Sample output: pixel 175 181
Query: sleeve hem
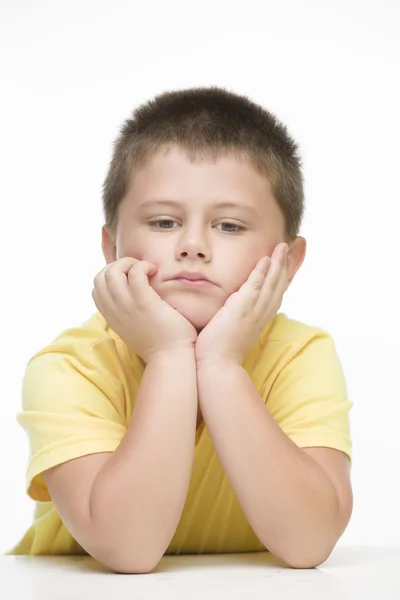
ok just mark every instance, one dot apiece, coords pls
pixel 313 441
pixel 56 456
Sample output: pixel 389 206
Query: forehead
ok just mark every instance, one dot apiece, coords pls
pixel 172 174
pixel 175 167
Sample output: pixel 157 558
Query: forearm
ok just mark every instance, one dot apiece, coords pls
pixel 288 499
pixel 138 496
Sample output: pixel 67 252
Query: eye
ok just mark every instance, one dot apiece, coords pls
pixel 237 227
pixel 161 221
pixel 163 224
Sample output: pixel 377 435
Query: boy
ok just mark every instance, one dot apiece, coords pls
pixel 187 415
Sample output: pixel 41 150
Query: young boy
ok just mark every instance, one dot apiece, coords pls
pixel 188 415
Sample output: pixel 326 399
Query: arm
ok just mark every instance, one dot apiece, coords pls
pixel 295 508
pixel 126 513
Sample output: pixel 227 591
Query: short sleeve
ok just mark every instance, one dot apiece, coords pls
pixel 308 398
pixel 71 407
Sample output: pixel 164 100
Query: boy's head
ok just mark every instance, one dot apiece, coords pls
pixel 175 162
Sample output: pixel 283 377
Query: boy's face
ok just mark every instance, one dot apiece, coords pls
pixel 195 234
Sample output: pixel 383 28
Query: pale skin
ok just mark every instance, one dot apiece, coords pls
pixel 219 325
pixel 195 238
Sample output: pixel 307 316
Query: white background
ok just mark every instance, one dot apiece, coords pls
pixel 71 72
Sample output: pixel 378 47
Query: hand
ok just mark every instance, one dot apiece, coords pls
pixel 236 327
pixel 146 323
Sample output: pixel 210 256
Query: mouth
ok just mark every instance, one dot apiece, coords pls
pixel 197 283
pixel 192 279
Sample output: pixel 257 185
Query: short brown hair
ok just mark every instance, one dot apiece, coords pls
pixel 208 122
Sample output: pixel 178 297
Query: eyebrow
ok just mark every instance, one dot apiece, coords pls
pixel 222 204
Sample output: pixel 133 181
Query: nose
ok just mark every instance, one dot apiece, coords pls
pixel 193 244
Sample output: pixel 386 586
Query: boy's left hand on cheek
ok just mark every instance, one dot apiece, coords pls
pixel 236 327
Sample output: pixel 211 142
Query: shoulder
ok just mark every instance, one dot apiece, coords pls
pixel 79 338
pixel 287 341
pixel 292 350
pixel 93 340
pixel 80 358
pixel 284 330
pixel 301 345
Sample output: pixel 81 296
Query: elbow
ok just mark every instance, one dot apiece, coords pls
pixel 124 559
pixel 303 559
pixel 316 550
pixel 120 555
pixel 136 569
pixel 127 567
pixel 302 554
pixel 304 562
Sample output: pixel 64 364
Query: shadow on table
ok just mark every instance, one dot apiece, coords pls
pixel 200 561
pixel 341 558
pixel 167 564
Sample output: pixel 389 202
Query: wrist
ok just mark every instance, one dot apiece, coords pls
pixel 220 365
pixel 178 354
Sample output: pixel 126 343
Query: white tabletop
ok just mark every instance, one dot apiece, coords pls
pixel 364 573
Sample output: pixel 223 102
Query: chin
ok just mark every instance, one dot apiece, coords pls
pixel 198 320
pixel 198 316
pixel 197 308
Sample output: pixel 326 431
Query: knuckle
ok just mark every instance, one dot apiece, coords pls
pixel 133 273
pixel 135 267
pixel 129 260
pixel 108 272
pixel 99 276
pixel 274 280
pixel 257 282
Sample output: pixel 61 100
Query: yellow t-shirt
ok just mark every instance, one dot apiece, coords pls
pixel 79 393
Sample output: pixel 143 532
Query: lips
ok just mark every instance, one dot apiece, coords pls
pixel 192 279
pixel 192 276
pixel 194 283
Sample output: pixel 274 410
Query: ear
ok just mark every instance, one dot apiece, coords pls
pixel 296 255
pixel 108 245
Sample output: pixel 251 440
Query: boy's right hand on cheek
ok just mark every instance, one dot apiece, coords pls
pixel 145 322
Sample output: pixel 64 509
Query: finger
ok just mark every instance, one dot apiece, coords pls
pixel 276 279
pixel 111 296
pixel 278 261
pixel 256 279
pixel 247 295
pixel 97 300
pixel 249 292
pixel 112 286
pixel 122 265
pixel 144 267
pixel 138 275
pixel 263 265
pixel 115 280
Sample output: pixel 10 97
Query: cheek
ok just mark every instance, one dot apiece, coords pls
pixel 243 259
pixel 241 272
pixel 138 249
